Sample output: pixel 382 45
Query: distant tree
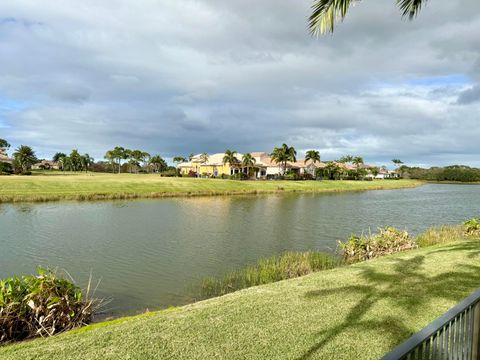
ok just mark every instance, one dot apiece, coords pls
pixel 357 161
pixel 24 157
pixel 58 156
pixel 347 159
pixel 158 164
pixel 332 171
pixel 4 145
pixel 117 155
pixel 374 170
pixel 314 157
pixel 248 161
pixel 230 158
pixel 110 157
pixel 179 159
pixel 282 155
pixel 397 162
pixel 87 161
pixel 190 157
pixel 204 158
pixel 75 162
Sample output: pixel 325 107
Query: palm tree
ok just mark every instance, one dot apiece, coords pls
pixel 158 163
pixel 179 159
pixel 110 156
pixel 87 161
pixel 357 161
pixel 397 162
pixel 282 155
pixel 326 12
pixel 248 161
pixel 314 157
pixel 230 158
pixel 204 158
pixel 374 170
pixel 24 157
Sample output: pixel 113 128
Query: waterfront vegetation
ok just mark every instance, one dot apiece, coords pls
pixel 286 266
pixel 44 304
pixel 313 316
pixel 56 185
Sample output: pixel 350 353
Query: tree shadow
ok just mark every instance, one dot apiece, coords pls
pixel 405 286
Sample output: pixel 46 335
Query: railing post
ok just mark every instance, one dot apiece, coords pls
pixel 476 333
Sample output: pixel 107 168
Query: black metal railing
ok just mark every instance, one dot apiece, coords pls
pixel 455 335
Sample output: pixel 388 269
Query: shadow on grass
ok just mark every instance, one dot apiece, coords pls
pixel 406 287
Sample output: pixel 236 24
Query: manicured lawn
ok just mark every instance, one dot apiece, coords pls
pixel 58 186
pixel 355 312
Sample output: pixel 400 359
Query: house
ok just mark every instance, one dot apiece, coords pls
pixel 264 166
pixel 4 157
pixel 45 165
pixel 387 174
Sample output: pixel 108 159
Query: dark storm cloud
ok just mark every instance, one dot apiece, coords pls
pixel 180 77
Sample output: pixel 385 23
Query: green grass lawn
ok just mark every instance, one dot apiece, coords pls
pixel 94 186
pixel 355 312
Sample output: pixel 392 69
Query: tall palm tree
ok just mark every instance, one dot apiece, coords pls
pixel 230 158
pixel 314 157
pixel 326 12
pixel 24 157
pixel 87 161
pixel 357 161
pixel 110 156
pixel 204 158
pixel 282 155
pixel 248 161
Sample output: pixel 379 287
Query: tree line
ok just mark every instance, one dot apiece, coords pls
pixel 118 160
pixel 460 173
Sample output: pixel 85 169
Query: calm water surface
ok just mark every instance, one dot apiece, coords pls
pixel 151 254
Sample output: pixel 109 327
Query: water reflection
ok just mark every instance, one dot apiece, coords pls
pixel 153 253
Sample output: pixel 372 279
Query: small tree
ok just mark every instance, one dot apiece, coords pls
pixel 314 157
pixel 24 158
pixel 249 162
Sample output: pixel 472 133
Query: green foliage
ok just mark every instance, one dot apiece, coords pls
pixel 5 168
pixel 472 227
pixel 286 266
pixel 24 157
pixel 386 241
pixel 454 173
pixel 41 305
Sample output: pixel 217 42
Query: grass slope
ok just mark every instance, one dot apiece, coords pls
pixel 96 186
pixel 356 312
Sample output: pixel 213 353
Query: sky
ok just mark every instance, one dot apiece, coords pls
pixel 179 77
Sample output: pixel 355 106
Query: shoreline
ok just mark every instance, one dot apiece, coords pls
pixel 170 188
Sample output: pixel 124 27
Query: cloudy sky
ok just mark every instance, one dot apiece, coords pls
pixel 179 77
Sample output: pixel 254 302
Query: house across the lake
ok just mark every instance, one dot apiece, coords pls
pixel 263 168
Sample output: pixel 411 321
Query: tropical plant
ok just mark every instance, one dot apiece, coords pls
pixel 24 157
pixel 158 164
pixel 374 171
pixel 472 227
pixel 248 161
pixel 230 158
pixel 397 162
pixel 347 159
pixel 179 159
pixel 314 157
pixel 357 161
pixel 386 241
pixel 117 155
pixel 41 305
pixel 86 161
pixel 325 13
pixel 204 158
pixel 282 155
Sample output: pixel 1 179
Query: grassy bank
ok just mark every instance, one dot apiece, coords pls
pixel 359 311
pixel 97 186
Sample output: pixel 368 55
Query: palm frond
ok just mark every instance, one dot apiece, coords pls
pixel 410 8
pixel 325 13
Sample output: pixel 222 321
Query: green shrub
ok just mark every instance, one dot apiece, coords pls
pixel 41 305
pixel 472 227
pixel 387 241
pixel 286 266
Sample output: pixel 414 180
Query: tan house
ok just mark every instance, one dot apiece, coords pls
pixel 45 165
pixel 4 157
pixel 264 166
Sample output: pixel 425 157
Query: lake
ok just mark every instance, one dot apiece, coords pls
pixel 150 254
